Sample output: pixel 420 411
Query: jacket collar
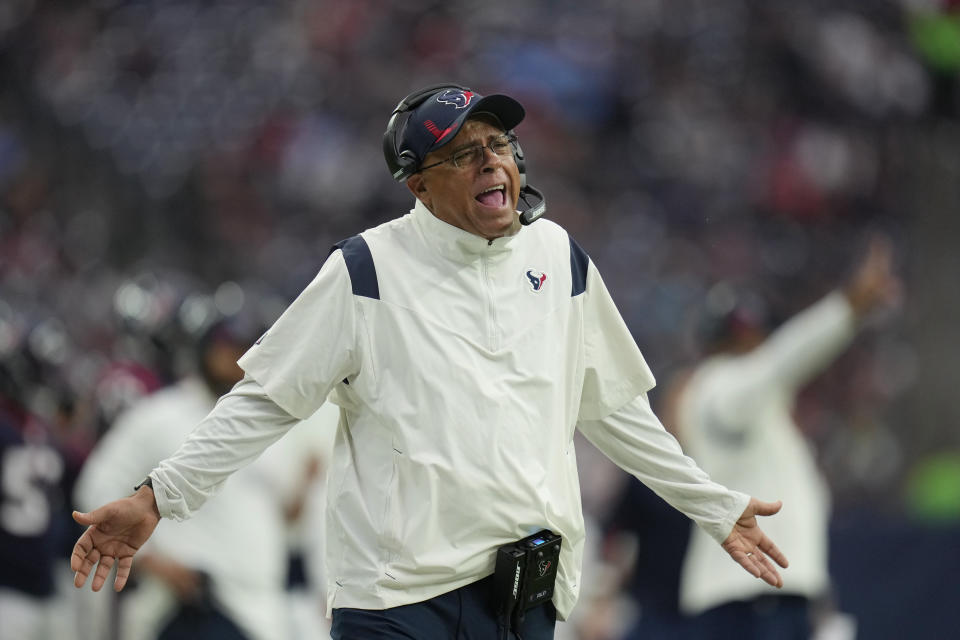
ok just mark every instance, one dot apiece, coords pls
pixel 455 243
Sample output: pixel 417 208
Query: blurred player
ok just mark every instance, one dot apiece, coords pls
pixel 31 510
pixel 222 574
pixel 734 418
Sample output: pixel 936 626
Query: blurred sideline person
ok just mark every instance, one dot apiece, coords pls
pixel 221 575
pixel 32 471
pixel 312 440
pixel 644 543
pixel 734 418
pixel 464 343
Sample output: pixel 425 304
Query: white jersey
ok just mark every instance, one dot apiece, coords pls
pixel 462 368
pixel 735 420
pixel 246 558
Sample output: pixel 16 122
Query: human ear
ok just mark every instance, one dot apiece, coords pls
pixel 418 187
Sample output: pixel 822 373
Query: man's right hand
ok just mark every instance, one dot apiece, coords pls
pixel 114 533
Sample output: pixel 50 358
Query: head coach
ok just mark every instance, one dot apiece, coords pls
pixel 464 342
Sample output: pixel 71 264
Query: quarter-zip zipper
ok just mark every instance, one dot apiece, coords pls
pixel 493 330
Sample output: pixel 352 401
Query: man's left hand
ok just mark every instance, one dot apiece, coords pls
pixel 750 546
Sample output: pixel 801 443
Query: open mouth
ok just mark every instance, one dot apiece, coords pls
pixel 495 196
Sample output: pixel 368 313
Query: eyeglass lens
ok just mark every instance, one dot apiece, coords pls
pixel 472 155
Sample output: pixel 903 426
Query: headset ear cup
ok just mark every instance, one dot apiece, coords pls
pixel 406 165
pixel 403 164
pixel 390 151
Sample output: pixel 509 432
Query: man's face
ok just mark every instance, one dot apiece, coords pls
pixel 461 196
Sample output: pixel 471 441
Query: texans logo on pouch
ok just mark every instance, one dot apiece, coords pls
pixel 536 278
pixel 544 566
pixel 456 97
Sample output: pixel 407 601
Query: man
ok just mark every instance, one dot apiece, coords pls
pixel 463 348
pixel 734 417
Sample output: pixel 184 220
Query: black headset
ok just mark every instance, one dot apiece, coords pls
pixel 403 164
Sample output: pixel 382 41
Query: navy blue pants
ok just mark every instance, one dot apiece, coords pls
pixel 207 623
pixel 765 618
pixel 463 614
pixel 655 624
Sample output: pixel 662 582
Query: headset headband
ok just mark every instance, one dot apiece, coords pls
pixel 403 163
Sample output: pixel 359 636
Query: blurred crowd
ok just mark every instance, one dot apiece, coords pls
pixel 162 163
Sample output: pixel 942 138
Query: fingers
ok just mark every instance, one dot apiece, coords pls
pixel 762 508
pixel 80 550
pixel 752 549
pixel 769 548
pixel 768 573
pixel 747 562
pixel 757 565
pixel 103 570
pixel 877 258
pixel 765 544
pixel 83 518
pixel 123 572
pixel 77 562
pixel 879 249
pixel 85 556
pixel 879 269
pixel 86 564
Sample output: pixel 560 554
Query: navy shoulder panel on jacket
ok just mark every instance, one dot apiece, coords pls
pixel 579 261
pixel 360 266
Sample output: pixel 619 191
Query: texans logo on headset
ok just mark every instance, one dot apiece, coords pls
pixel 458 98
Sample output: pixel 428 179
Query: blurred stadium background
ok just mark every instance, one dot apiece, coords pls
pixel 152 152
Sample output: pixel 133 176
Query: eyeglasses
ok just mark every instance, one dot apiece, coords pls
pixel 473 155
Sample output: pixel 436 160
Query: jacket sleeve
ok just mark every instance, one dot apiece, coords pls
pixel 243 423
pixel 634 438
pixel 615 371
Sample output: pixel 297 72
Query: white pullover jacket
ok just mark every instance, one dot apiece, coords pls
pixel 462 368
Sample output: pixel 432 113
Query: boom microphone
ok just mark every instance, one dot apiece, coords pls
pixel 532 204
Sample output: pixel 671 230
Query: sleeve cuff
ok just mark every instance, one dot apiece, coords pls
pixel 720 530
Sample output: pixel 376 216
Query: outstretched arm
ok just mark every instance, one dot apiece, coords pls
pixel 750 547
pixel 115 532
pixel 635 440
